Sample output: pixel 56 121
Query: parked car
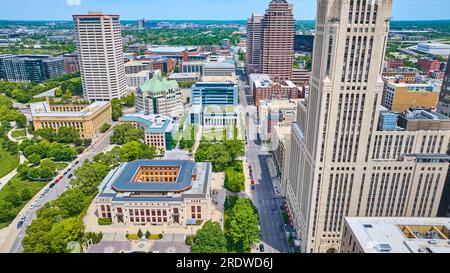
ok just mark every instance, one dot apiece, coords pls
pixel 261 247
pixel 51 185
pixel 20 224
pixel 253 182
pixel 253 187
pixel 70 176
pixel 76 162
pixel 32 206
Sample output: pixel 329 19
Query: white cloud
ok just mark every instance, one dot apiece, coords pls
pixel 73 2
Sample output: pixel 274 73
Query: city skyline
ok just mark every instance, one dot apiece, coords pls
pixel 209 10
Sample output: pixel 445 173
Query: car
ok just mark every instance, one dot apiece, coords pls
pixel 65 173
pixel 61 177
pixel 76 162
pixel 252 181
pixel 69 169
pixel 261 247
pixel 32 206
pixel 23 218
pixel 70 176
pixel 46 190
pixel 253 187
pixel 20 224
pixel 51 185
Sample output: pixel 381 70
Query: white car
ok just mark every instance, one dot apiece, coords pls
pixel 32 206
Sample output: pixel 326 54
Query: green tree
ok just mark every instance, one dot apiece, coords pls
pixel 105 127
pixel 48 163
pixel 126 133
pixel 26 194
pixel 140 234
pixel 34 159
pixel 243 225
pixel 64 232
pixel 71 202
pixel 67 135
pixel 46 133
pixel 130 151
pixel 209 239
pixel 117 111
pixel 64 154
pixel 129 101
pixel 89 176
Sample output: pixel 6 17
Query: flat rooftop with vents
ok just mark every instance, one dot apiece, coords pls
pixel 396 235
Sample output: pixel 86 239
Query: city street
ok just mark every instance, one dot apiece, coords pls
pixel 264 197
pixel 14 237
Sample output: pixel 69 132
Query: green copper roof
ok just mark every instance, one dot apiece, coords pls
pixel 158 84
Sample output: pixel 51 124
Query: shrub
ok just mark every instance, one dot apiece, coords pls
pixel 147 234
pixel 105 127
pixel 132 237
pixel 189 240
pixel 140 233
pixel 104 221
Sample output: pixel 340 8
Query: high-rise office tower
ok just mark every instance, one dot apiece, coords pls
pixel 342 163
pixel 141 24
pixel 100 51
pixel 277 37
pixel 254 44
pixel 270 41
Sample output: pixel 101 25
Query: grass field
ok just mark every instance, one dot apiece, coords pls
pixel 17 134
pixel 13 193
pixel 218 134
pixel 8 162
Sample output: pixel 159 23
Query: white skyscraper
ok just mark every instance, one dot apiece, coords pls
pixel 100 51
pixel 342 163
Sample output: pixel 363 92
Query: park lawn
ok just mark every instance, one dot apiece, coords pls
pixel 8 162
pixel 19 133
pixel 220 134
pixel 234 177
pixel 16 186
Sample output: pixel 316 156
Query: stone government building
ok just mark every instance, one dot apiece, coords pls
pixel 156 192
pixel 86 118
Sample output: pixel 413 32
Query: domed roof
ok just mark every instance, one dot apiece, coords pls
pixel 157 84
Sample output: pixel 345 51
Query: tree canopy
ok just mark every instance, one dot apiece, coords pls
pixel 210 239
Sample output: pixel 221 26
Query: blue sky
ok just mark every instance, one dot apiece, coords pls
pixel 195 9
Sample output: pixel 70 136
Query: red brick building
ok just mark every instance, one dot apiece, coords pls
pixel 269 90
pixel 429 64
pixel 395 63
pixel 166 65
pixel 71 64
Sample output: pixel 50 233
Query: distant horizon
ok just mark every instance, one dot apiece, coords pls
pixel 223 10
pixel 201 20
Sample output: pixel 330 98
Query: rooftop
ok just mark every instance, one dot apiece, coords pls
pixel 218 65
pixel 158 84
pixel 421 114
pixel 280 103
pixel 401 235
pixel 121 184
pixel 43 109
pixel 171 49
pixel 184 75
pixel 152 123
